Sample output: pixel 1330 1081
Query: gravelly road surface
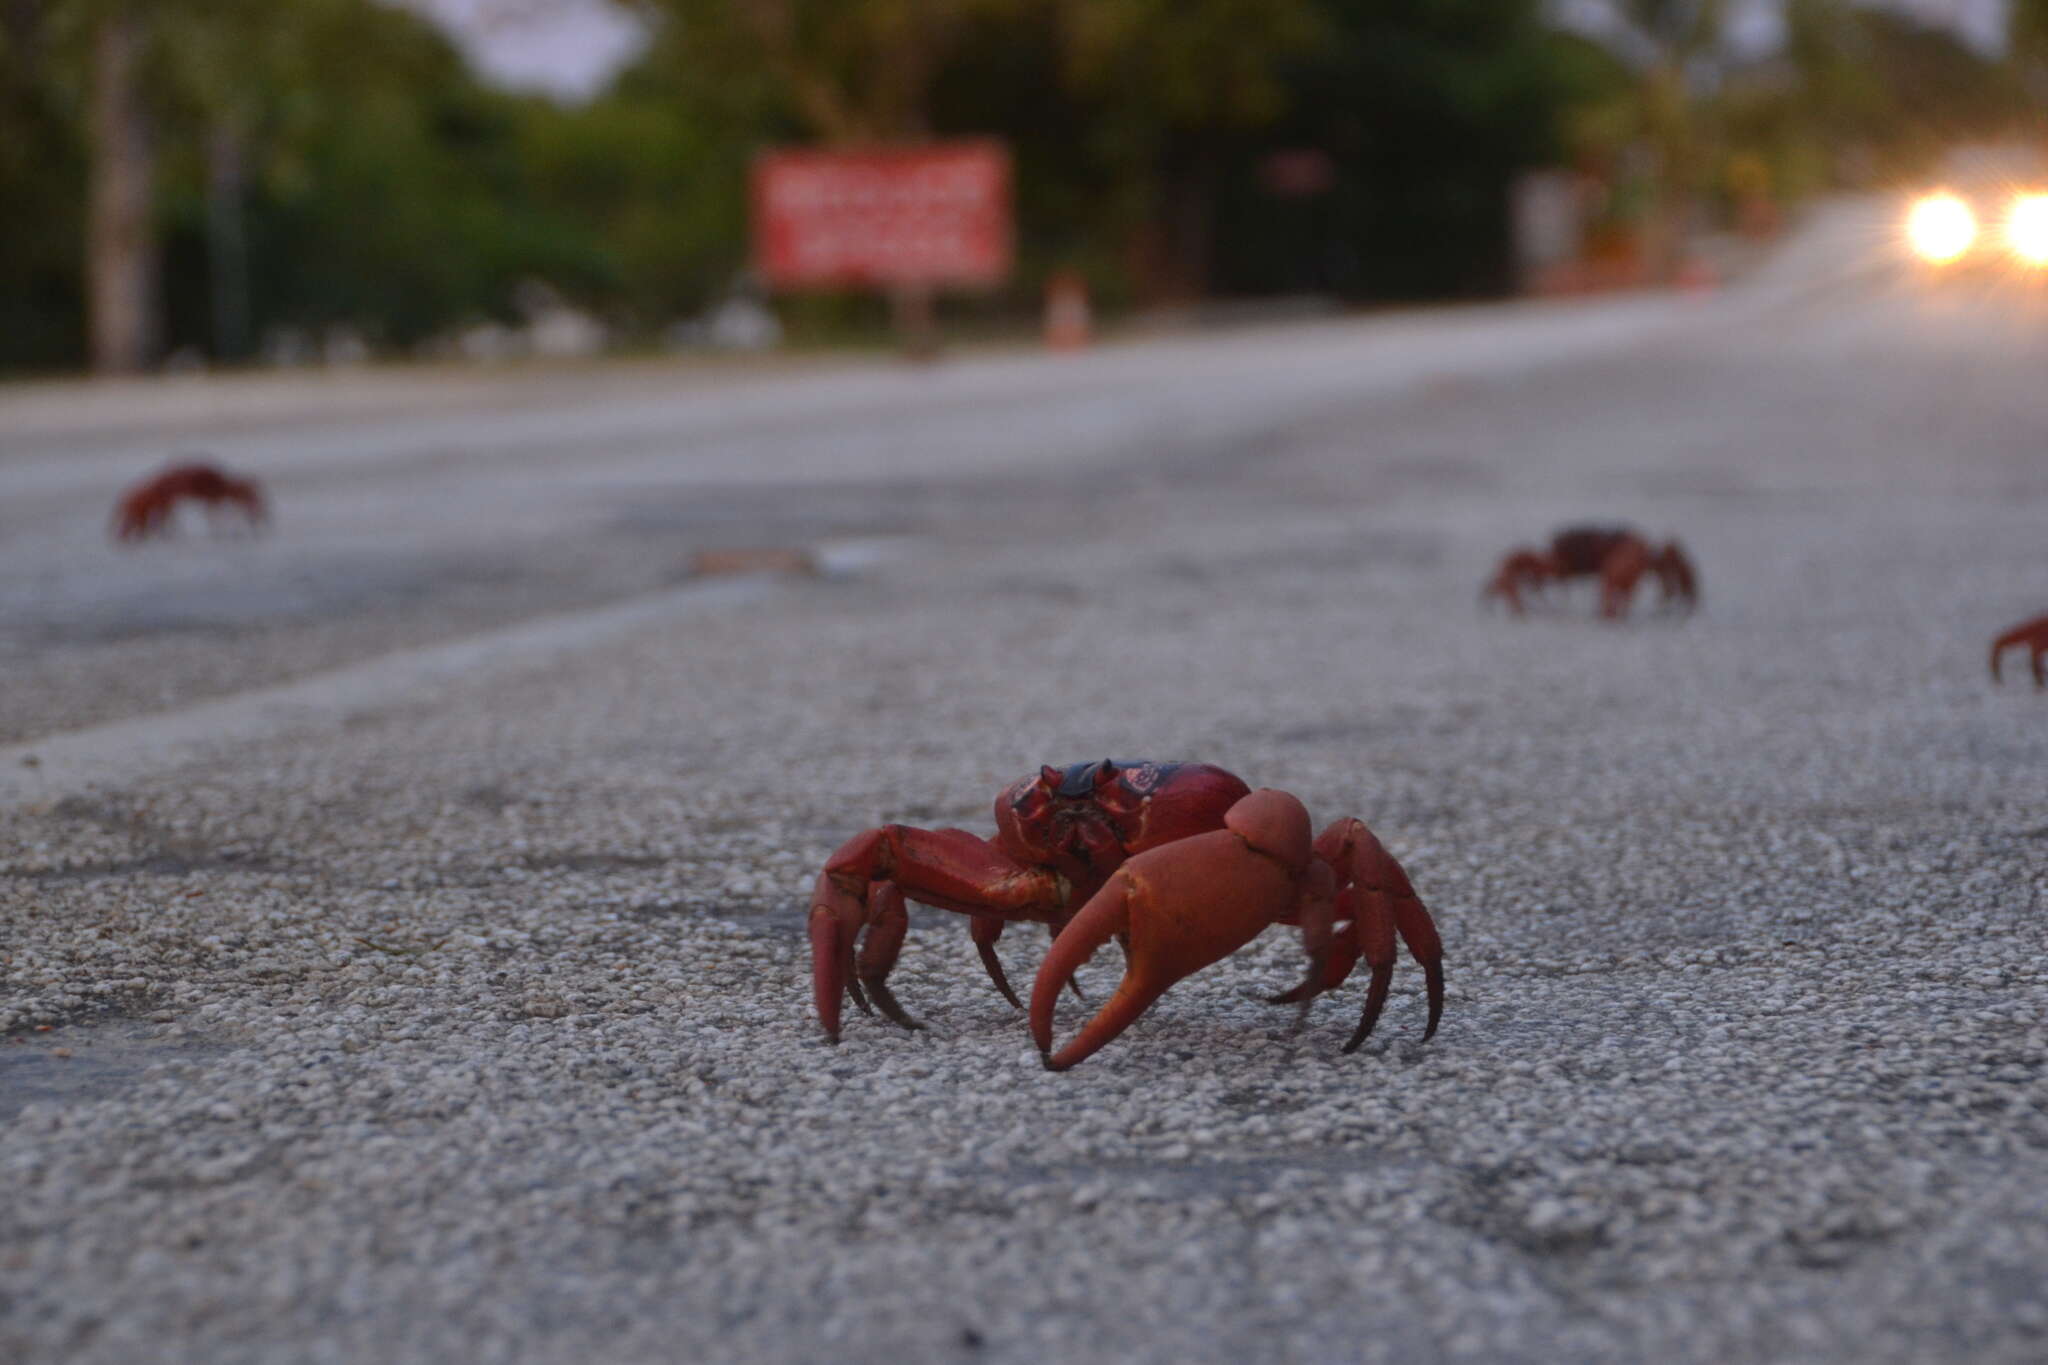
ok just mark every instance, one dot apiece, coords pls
pixel 471 1022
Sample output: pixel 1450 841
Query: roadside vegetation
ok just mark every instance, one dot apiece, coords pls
pixel 212 179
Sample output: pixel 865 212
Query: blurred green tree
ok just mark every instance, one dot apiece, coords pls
pixel 1678 50
pixel 1426 110
pixel 335 164
pixel 1138 89
pixel 1174 86
pixel 845 71
pixel 341 157
pixel 1861 96
pixel 43 178
pixel 2027 40
pixel 302 166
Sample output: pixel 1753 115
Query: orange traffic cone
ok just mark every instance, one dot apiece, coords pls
pixel 1069 321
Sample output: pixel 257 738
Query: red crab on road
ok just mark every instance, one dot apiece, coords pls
pixel 146 509
pixel 1617 556
pixel 1185 863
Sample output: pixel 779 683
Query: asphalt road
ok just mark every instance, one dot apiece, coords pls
pixel 401 946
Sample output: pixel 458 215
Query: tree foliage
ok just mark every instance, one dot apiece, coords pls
pixel 1427 108
pixel 330 163
pixel 381 186
pixel 42 199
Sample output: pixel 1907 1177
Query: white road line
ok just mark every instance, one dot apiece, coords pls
pixel 75 761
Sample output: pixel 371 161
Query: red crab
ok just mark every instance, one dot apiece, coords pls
pixel 147 509
pixel 1180 861
pixel 1616 555
pixel 2032 634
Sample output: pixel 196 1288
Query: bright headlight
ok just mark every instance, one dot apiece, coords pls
pixel 1940 228
pixel 2026 228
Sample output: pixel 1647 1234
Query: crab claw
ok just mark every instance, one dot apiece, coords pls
pixel 1178 908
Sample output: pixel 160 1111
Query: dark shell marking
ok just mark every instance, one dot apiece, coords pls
pixel 1137 776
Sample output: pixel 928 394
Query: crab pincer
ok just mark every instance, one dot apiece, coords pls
pixel 1180 908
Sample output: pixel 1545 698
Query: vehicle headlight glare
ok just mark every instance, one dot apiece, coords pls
pixel 2026 228
pixel 1940 228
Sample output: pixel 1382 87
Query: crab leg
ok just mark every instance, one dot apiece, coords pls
pixel 1333 952
pixel 2033 635
pixel 1519 569
pixel 863 888
pixel 1385 904
pixel 1623 567
pixel 1678 581
pixel 987 929
pixel 888 922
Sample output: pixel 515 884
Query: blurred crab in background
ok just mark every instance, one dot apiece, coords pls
pixel 1180 862
pixel 149 508
pixel 1617 556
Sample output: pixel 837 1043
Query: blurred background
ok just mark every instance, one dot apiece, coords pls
pixel 191 183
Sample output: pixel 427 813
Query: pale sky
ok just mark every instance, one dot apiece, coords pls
pixel 570 48
pixel 567 48
pixel 1756 27
pixel 1980 21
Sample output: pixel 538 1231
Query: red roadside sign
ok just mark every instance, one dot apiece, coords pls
pixel 937 214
